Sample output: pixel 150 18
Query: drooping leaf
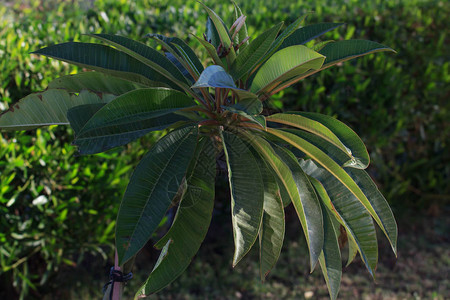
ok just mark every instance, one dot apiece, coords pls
pixel 105 59
pixel 286 179
pixel 96 82
pixel 331 130
pixel 283 65
pixel 129 117
pixel 153 185
pixel 348 210
pixel 330 258
pixel 360 156
pixel 309 210
pixel 352 251
pixel 305 34
pixel 378 206
pixel 271 234
pixel 247 193
pixel 216 77
pixel 248 58
pixel 191 222
pixel 45 108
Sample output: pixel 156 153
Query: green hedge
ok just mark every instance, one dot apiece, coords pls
pixel 397 103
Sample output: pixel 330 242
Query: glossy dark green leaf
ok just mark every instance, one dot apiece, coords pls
pixel 271 234
pixel 305 34
pixel 223 33
pixel 337 52
pixel 147 56
pixel 283 65
pixel 285 34
pixel 95 82
pixel 286 179
pixel 191 221
pixel 379 208
pixel 376 206
pixel 330 258
pixel 309 210
pixel 348 210
pixel 249 57
pixel 129 117
pixel 344 50
pixel 152 187
pixel 331 130
pixel 105 59
pixel 45 108
pixel 247 193
pixel 184 51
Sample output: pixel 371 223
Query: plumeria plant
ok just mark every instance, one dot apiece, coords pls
pixel 309 160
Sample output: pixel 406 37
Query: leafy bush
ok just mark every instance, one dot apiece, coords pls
pixel 316 163
pixel 409 95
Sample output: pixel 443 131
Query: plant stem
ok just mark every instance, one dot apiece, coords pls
pixel 117 288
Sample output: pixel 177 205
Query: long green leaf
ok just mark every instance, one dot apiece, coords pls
pixel 349 49
pixel 330 258
pixel 129 117
pixel 106 60
pixel 286 179
pixel 147 56
pixel 248 58
pixel 222 32
pixel 153 185
pixel 190 57
pixel 191 222
pixel 315 127
pixel 285 64
pixel 383 216
pixel 359 156
pixel 348 210
pixel 45 108
pixel 247 193
pixel 305 34
pixel 271 234
pixel 339 52
pixel 95 82
pixel 331 130
pixel 310 211
pixel 386 219
pixel 285 34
